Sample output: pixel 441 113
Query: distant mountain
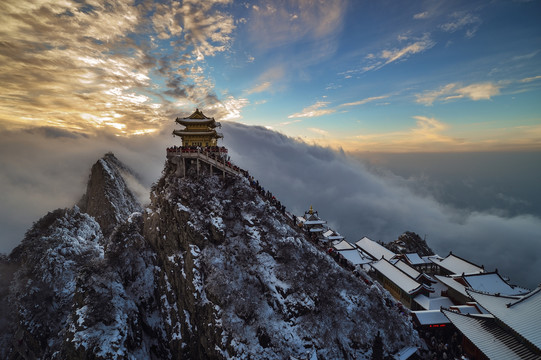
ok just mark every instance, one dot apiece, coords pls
pixel 409 242
pixel 209 270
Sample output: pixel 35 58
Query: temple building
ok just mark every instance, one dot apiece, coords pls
pixel 199 130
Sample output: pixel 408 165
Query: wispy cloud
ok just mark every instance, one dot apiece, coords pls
pixel 478 91
pixel 321 108
pixel 229 109
pixel 319 131
pixel 462 20
pixel 389 56
pixel 428 133
pixel 421 15
pixel 364 101
pixel 317 109
pixel 267 79
pixel 285 123
pixel 375 61
pixel 260 87
pixel 530 79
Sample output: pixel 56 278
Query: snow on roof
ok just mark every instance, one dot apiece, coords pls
pixel 355 257
pixel 428 259
pixel 520 313
pixel 405 353
pixel 414 259
pixel 464 309
pixel 398 277
pixel 315 222
pixel 493 283
pixel 407 269
pixel 332 235
pixel 452 283
pixel 435 303
pixel 457 265
pixel 488 337
pixel 430 317
pixel 343 245
pixel 374 249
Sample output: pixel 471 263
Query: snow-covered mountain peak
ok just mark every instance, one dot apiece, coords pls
pixel 211 269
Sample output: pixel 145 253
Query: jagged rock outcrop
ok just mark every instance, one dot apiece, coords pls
pixel 409 242
pixel 209 270
pixel 75 293
pixel 108 198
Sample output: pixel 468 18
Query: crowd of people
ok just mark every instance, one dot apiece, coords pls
pixel 267 195
pixel 441 345
pixel 202 149
pixel 219 153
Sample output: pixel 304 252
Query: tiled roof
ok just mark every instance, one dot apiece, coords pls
pixel 355 257
pixel 374 249
pixel 489 338
pixel 432 303
pixel 457 265
pixel 430 317
pixel 452 283
pixel 414 259
pixel 520 313
pixel 493 283
pixel 395 275
pixel 343 245
pixel 407 269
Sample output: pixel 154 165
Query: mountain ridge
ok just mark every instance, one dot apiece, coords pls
pixel 209 270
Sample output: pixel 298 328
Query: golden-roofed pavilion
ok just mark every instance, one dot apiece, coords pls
pixel 200 130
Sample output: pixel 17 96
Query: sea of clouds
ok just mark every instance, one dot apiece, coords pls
pixel 359 195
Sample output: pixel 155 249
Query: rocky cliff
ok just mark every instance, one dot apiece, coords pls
pixel 209 270
pixel 410 242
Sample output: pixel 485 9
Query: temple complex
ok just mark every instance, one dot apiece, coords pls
pixel 199 130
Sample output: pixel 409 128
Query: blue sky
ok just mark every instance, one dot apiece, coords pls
pixel 361 75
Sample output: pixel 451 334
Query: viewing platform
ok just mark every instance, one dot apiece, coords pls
pixel 213 158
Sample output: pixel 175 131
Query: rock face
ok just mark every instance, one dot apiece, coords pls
pixel 410 242
pixel 209 270
pixel 108 198
pixel 77 293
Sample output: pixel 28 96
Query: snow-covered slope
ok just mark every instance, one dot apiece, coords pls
pixel 210 270
pixel 259 289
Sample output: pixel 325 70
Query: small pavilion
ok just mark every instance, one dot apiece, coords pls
pixel 200 130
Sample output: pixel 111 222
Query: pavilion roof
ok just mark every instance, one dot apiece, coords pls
pixel 489 338
pixel 414 259
pixel 414 274
pixel 430 317
pixel 355 257
pixel 492 283
pixel 343 245
pixel 374 249
pixel 432 303
pixel 452 283
pixel 520 313
pixel 397 276
pixel 457 265
pixel 198 114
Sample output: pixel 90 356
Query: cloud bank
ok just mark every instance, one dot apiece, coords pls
pixel 47 168
pixel 358 203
